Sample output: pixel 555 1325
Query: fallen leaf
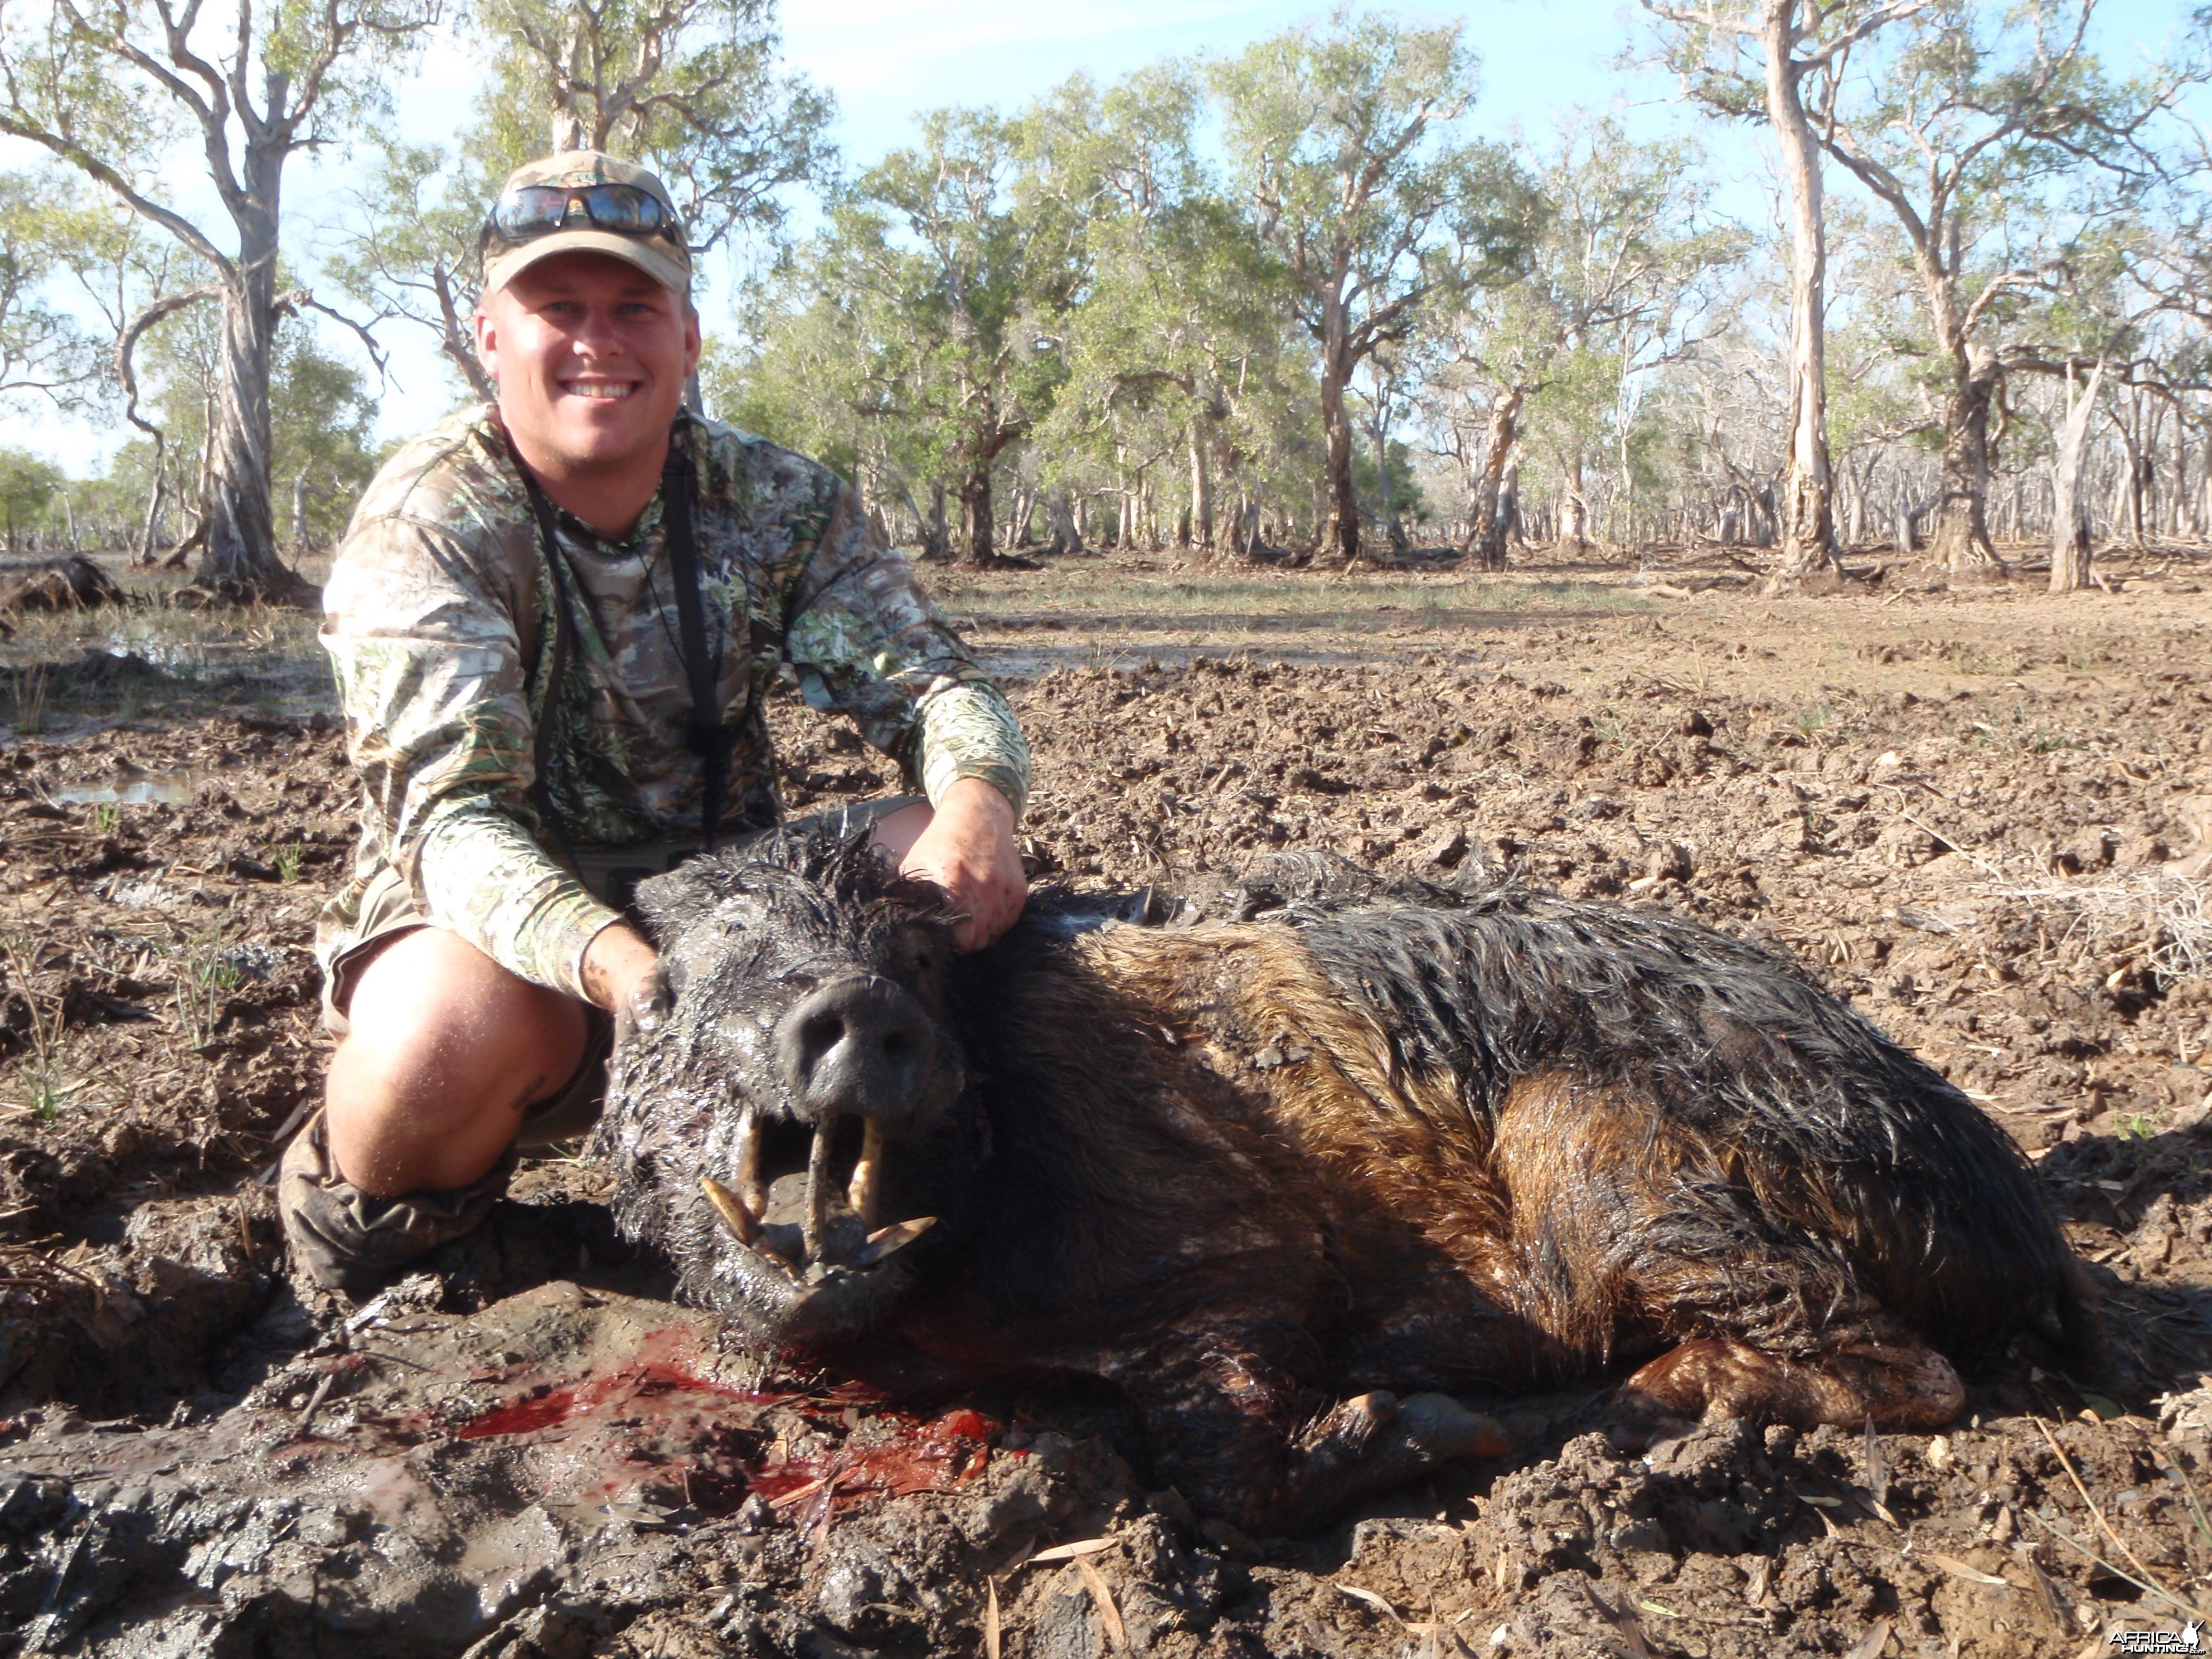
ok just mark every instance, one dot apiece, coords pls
pixel 1624 1622
pixel 1070 1552
pixel 1101 1594
pixel 1877 1474
pixel 990 1619
pixel 1873 1642
pixel 1372 1600
pixel 1754 1587
pixel 1958 1569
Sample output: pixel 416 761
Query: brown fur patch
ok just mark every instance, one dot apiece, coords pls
pixel 1537 1213
pixel 1260 1012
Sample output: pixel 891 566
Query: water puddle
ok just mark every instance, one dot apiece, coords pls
pixel 141 789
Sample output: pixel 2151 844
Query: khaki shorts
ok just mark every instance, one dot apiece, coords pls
pixel 388 912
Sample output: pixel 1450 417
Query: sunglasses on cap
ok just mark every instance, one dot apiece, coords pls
pixel 529 211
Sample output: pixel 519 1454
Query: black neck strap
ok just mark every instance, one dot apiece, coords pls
pixel 704 731
pixel 708 737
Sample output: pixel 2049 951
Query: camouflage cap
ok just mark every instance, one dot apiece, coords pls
pixel 662 257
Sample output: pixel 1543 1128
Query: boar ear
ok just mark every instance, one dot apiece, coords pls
pixel 682 899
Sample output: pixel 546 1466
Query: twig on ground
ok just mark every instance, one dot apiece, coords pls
pixel 2149 1580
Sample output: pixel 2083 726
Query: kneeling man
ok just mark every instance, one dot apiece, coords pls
pixel 553 623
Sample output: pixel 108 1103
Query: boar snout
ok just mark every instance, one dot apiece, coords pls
pixel 858 1045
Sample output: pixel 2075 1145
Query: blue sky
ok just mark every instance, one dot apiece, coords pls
pixel 888 60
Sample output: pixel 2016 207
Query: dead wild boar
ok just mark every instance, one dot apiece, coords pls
pixel 1350 1139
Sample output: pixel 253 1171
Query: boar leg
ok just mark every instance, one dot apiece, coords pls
pixel 1887 1376
pixel 1244 1439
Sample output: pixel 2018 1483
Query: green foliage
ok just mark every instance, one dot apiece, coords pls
pixel 1183 328
pixel 915 338
pixel 42 1082
pixel 1405 495
pixel 205 977
pixel 26 691
pixel 45 232
pixel 29 485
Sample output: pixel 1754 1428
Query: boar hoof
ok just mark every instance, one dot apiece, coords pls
pixel 1442 1428
pixel 1376 1441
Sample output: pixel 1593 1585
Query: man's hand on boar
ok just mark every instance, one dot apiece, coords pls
pixel 623 975
pixel 968 851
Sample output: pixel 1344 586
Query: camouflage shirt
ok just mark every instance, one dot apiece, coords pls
pixel 440 611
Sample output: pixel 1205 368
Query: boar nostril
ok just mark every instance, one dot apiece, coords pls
pixel 861 1045
pixel 816 1038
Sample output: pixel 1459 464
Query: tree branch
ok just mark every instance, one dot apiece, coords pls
pixel 300 299
pixel 127 342
pixel 1896 12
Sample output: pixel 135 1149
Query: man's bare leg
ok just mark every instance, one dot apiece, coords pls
pixel 447 1048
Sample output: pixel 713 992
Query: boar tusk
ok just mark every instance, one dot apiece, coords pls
pixel 751 1186
pixel 815 1226
pixel 897 1237
pixel 736 1215
pixel 861 1193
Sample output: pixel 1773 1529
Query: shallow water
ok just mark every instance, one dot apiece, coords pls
pixel 174 788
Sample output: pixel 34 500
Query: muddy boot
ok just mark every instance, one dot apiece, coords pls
pixel 347 1241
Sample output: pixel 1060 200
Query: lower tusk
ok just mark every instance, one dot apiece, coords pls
pixel 736 1215
pixel 897 1237
pixel 815 1226
pixel 751 1186
pixel 861 1193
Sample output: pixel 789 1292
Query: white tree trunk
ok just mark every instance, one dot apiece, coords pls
pixel 1808 513
pixel 2069 523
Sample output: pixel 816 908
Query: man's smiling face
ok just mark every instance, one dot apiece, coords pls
pixel 591 355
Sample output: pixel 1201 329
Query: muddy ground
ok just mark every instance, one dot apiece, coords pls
pixel 1984 817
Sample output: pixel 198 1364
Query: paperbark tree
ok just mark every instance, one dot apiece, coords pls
pixel 2069 525
pixel 1339 136
pixel 1789 41
pixel 923 323
pixel 103 87
pixel 1983 120
pixel 1182 315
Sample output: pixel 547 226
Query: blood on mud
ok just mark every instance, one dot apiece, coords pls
pixel 653 1381
pixel 907 1453
pixel 925 1454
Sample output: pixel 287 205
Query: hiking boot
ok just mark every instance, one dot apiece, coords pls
pixel 345 1240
